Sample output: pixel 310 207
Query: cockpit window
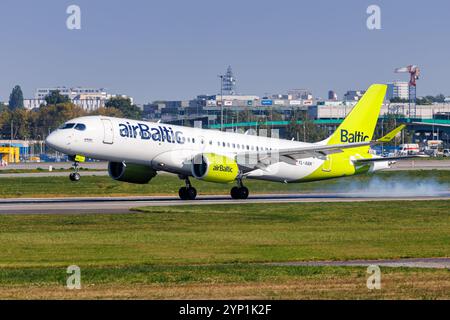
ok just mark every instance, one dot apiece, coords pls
pixel 67 126
pixel 80 127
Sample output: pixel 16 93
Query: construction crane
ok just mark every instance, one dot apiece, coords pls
pixel 414 73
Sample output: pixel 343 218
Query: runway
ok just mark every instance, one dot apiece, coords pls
pixel 124 204
pixel 429 263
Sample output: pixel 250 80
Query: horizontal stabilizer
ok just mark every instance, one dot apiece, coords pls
pixel 431 124
pixel 391 135
pixel 389 158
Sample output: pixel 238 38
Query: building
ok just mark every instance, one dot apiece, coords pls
pixel 332 95
pixel 398 89
pixel 353 95
pixel 209 106
pixel 89 102
pixel 90 99
pixel 234 100
pixel 300 94
pixel 339 110
pixel 33 103
pixel 13 151
pixel 71 93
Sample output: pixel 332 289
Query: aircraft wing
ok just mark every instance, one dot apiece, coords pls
pixel 321 150
pixel 254 160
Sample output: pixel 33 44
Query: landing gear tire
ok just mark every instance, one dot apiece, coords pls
pixel 187 193
pixel 234 193
pixel 75 176
pixel 243 193
pixel 239 192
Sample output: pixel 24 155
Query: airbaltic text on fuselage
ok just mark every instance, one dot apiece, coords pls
pixel 159 133
pixel 352 137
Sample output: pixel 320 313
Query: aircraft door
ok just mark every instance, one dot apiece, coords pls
pixel 108 132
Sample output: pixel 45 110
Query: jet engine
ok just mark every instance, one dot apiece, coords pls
pixel 214 168
pixel 129 172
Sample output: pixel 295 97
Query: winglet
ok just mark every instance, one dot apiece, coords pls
pixel 391 135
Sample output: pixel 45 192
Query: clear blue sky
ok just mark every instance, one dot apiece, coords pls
pixel 175 49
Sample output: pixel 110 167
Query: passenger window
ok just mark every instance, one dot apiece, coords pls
pixel 193 140
pixel 234 145
pixel 189 139
pixel 223 144
pixel 228 144
pixel 248 147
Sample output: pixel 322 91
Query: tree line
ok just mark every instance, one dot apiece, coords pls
pixel 16 122
pixel 427 100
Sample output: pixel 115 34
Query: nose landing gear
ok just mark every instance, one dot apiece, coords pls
pixel 75 176
pixel 188 192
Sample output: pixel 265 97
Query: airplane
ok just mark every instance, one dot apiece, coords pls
pixel 137 150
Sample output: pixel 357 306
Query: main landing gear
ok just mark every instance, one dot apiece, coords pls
pixel 239 192
pixel 75 176
pixel 188 192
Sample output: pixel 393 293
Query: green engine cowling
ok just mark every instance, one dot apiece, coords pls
pixel 214 168
pixel 131 173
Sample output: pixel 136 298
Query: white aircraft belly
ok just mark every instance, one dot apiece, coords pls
pixel 284 172
pixel 177 161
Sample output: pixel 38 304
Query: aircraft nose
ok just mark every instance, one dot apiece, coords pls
pixel 54 140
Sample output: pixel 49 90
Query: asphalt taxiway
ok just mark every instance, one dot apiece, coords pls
pixel 430 263
pixel 124 204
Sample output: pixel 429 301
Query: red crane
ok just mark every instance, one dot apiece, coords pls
pixel 414 73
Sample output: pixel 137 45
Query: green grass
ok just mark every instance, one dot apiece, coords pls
pixel 216 251
pixel 225 282
pixel 169 185
pixel 149 274
pixel 211 234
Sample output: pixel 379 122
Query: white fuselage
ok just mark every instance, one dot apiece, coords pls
pixel 170 148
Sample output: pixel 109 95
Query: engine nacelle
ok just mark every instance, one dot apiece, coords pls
pixel 214 168
pixel 129 172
